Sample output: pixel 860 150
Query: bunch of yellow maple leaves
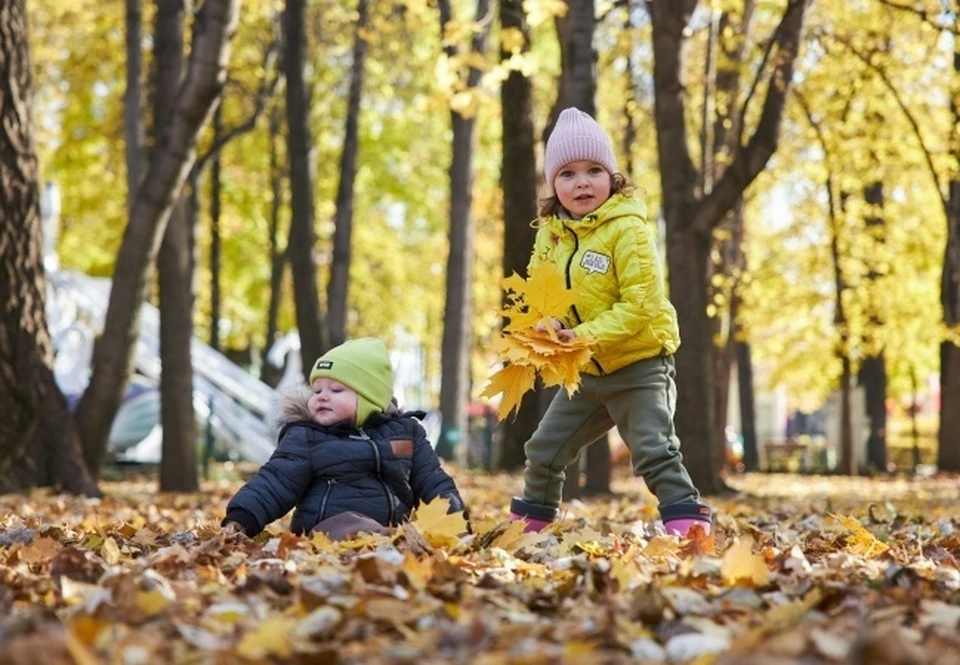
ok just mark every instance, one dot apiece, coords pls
pixel 529 352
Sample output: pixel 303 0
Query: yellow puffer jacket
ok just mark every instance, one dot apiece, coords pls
pixel 611 258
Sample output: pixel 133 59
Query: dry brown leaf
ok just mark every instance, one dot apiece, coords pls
pixel 40 550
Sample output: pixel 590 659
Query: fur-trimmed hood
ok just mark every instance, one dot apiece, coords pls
pixel 291 406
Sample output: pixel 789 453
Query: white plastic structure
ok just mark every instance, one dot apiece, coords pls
pixel 237 404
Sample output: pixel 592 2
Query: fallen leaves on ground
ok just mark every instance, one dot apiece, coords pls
pixel 799 571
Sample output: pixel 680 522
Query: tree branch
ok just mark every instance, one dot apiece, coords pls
pixel 678 174
pixel 753 158
pixel 267 88
pixel 930 18
pixel 867 60
pixel 774 40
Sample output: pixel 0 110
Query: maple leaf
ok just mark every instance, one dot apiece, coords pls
pixel 698 542
pixel 546 292
pixel 514 538
pixel 525 350
pixel 861 541
pixel 513 381
pixel 439 528
pixel 740 564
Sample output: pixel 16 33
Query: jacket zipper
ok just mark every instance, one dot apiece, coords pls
pixel 386 488
pixel 326 495
pixel 576 314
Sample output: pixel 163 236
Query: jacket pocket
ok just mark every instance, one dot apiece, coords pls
pixel 402 447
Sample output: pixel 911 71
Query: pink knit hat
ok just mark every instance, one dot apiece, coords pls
pixel 576 137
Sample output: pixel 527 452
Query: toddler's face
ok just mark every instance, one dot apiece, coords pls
pixel 332 402
pixel 582 187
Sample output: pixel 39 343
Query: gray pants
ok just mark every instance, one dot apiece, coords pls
pixel 640 399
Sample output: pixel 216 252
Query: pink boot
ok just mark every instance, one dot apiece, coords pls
pixel 536 515
pixel 679 518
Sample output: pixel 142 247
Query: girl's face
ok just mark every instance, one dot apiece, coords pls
pixel 332 402
pixel 582 187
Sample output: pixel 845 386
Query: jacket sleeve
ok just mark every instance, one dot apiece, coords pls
pixel 640 280
pixel 277 486
pixel 427 478
pixel 537 252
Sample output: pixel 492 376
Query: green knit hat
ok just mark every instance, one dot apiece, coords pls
pixel 362 365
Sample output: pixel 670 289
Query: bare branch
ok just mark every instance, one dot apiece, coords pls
pixel 774 39
pixel 754 157
pixel 267 88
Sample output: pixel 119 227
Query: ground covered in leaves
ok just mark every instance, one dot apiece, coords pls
pixel 801 570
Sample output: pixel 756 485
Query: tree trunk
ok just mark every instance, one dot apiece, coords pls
pixel 873 378
pixel 597 482
pixel 272 374
pixel 38 438
pixel 689 254
pixel 215 243
pixel 132 124
pixel 873 371
pixel 721 130
pixel 748 414
pixel 338 288
pixel 849 464
pixel 691 219
pixel 948 457
pixel 518 178
pixel 302 243
pixel 214 25
pixel 178 463
pixel 731 265
pixel 458 313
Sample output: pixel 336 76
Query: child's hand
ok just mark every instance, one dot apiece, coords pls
pixel 556 323
pixel 566 334
pixel 232 528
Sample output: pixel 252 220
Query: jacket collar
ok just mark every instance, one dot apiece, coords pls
pixel 616 206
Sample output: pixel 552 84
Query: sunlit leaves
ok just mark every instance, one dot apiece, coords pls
pixel 860 541
pixel 529 352
pixel 437 525
pixel 599 583
pixel 741 565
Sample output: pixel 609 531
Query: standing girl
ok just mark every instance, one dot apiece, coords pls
pixel 594 231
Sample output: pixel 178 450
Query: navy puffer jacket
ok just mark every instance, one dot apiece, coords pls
pixel 381 470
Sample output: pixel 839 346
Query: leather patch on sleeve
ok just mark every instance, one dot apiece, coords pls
pixel 402 446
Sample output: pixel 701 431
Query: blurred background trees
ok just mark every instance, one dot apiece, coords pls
pixel 798 160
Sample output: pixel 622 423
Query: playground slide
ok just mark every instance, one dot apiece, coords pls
pixel 237 404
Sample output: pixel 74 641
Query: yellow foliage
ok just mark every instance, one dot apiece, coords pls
pixel 861 541
pixel 530 302
pixel 514 538
pixel 513 381
pixel 437 527
pixel 511 40
pixel 741 565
